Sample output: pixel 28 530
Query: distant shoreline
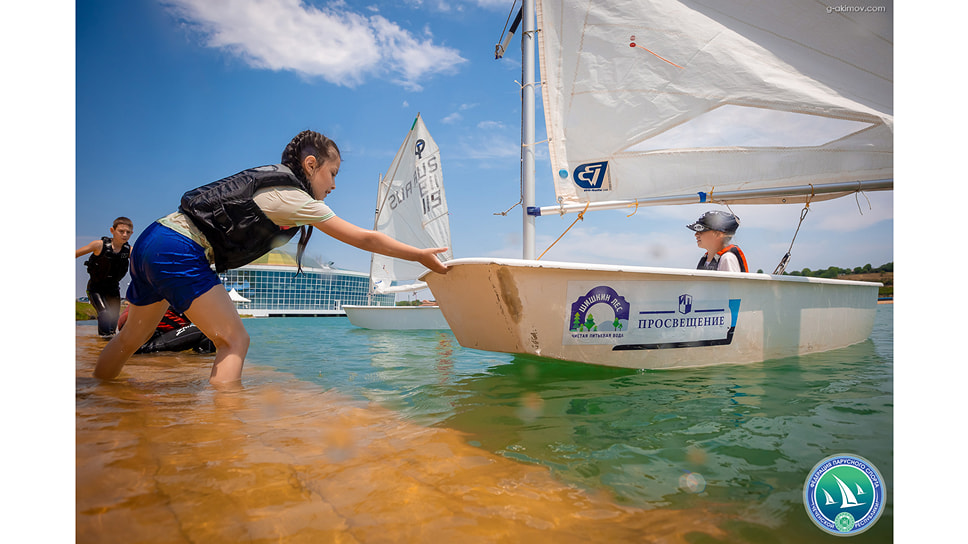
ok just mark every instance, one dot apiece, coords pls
pixel 84 311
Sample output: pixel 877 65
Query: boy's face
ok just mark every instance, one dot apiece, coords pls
pixel 122 232
pixel 710 240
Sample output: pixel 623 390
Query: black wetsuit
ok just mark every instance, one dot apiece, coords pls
pixel 103 290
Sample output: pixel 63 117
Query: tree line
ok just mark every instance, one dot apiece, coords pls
pixel 835 271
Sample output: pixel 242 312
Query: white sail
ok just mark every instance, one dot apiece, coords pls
pixel 631 87
pixel 412 208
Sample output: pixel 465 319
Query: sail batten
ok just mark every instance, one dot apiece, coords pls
pixel 619 74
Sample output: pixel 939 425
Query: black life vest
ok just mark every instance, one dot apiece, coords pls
pixel 714 263
pixel 108 266
pixel 232 222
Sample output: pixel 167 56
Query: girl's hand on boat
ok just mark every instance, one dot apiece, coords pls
pixel 429 259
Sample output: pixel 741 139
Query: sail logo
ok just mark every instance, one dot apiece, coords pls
pixel 592 176
pixel 418 148
pixel 601 312
pixel 844 495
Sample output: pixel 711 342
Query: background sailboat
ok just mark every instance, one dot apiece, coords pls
pixel 628 86
pixel 411 207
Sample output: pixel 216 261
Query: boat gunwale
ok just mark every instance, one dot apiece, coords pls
pixel 685 272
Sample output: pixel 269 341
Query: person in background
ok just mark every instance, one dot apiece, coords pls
pixel 714 232
pixel 107 266
pixel 230 223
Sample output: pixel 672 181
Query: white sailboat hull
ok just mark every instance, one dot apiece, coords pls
pixel 396 317
pixel 673 318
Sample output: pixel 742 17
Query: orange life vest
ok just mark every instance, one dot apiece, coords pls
pixel 714 264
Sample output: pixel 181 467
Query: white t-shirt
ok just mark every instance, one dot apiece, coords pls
pixel 729 263
pixel 285 206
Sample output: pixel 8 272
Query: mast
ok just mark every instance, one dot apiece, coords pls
pixel 527 130
pixel 376 222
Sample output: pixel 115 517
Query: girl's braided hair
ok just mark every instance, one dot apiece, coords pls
pixel 306 143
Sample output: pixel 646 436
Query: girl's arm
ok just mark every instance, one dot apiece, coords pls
pixel 377 242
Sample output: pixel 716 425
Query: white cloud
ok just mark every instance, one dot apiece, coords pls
pixel 456 5
pixel 490 125
pixel 489 144
pixel 456 116
pixel 332 43
pixel 494 4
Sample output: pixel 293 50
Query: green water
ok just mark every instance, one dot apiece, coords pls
pixel 739 438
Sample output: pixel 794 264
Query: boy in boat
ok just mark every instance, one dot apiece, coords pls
pixel 107 266
pixel 230 223
pixel 714 231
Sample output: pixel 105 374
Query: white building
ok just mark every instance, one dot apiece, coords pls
pixel 272 288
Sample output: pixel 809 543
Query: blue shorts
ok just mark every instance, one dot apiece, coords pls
pixel 166 265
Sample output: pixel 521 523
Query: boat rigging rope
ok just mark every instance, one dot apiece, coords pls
pixel 514 3
pixel 780 268
pixel 505 212
pixel 581 215
pixel 857 200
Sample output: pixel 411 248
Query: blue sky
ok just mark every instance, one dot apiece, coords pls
pixel 173 95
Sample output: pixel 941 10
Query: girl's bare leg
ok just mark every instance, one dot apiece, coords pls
pixel 141 323
pixel 216 316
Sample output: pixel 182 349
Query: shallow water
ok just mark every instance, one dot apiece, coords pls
pixel 347 435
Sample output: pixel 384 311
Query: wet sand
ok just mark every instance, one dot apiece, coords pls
pixel 161 456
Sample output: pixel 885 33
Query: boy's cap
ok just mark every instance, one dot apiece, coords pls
pixel 716 220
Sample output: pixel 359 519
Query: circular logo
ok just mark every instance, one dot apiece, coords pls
pixel 844 495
